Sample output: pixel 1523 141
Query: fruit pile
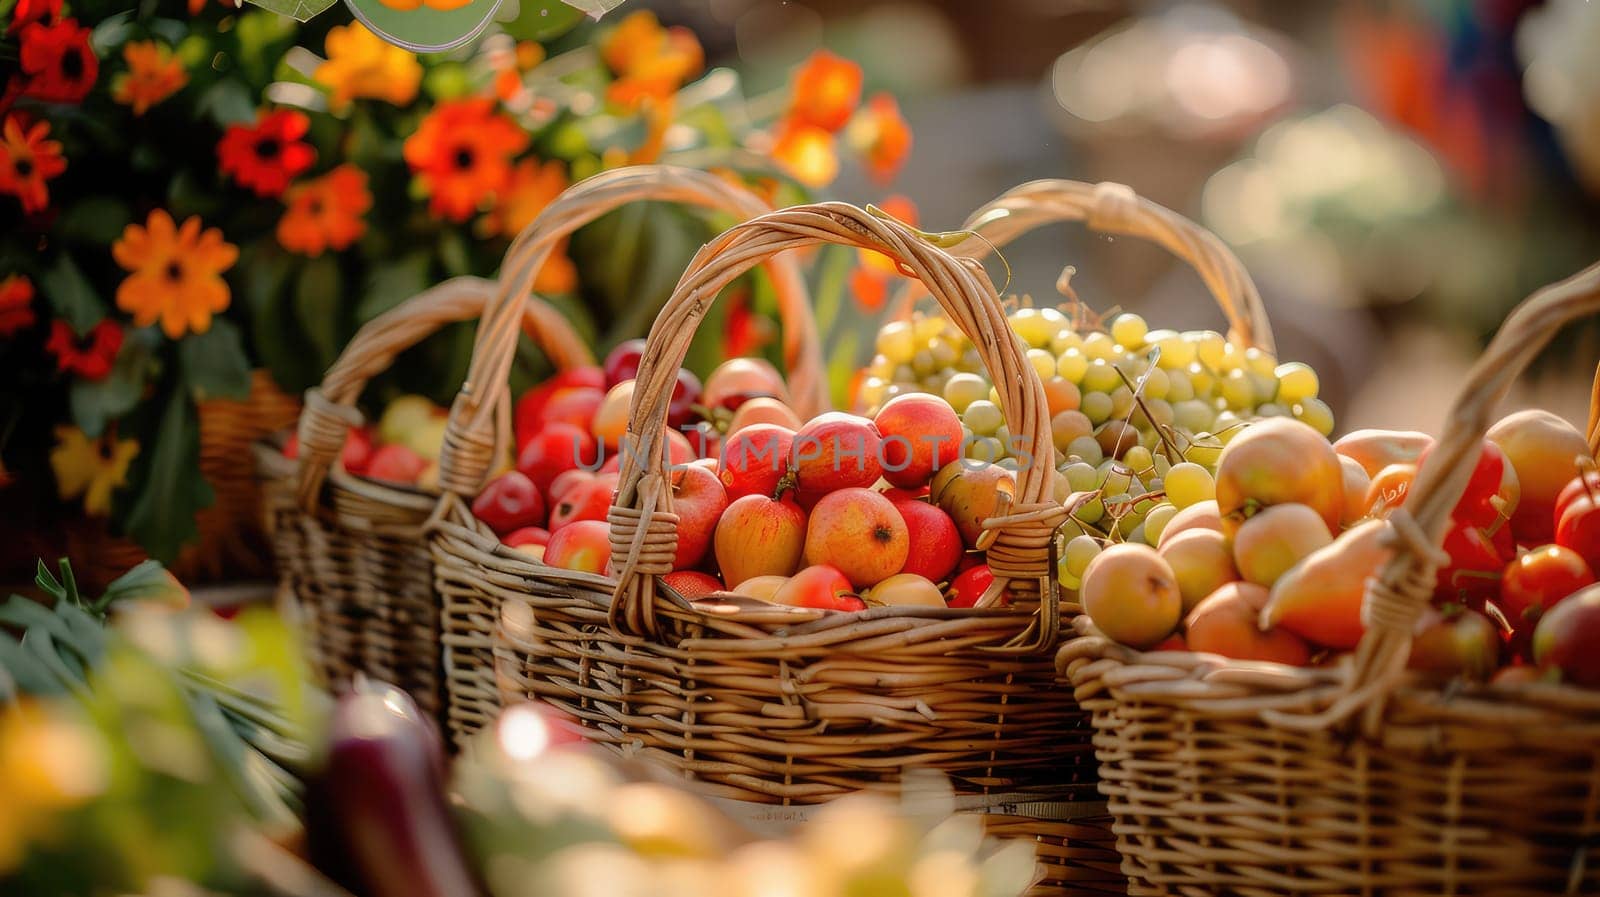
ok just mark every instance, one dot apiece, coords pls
pixel 402 450
pixel 1128 405
pixel 840 512
pixel 1269 560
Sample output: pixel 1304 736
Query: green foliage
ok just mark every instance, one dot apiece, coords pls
pixel 162 516
pixel 71 295
pixel 94 403
pixel 214 363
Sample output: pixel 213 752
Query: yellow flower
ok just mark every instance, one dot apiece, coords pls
pixel 49 762
pixel 152 76
pixel 176 273
pixel 91 468
pixel 362 65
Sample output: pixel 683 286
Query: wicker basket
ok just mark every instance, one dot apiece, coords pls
pixel 352 560
pixel 1228 777
pixel 772 705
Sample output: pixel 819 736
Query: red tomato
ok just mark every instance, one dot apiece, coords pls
pixel 1587 484
pixel 1477 506
pixel 1473 574
pixel 1578 528
pixel 1531 584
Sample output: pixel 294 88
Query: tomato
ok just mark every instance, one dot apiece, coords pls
pixel 1388 489
pixel 1477 505
pixel 1473 574
pixel 1531 584
pixel 1578 528
pixel 1587 484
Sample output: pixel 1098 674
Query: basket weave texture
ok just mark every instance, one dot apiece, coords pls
pixel 1228 777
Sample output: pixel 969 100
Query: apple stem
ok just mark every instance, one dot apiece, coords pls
pixel 789 481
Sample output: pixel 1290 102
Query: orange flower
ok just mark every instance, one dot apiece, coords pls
pixel 463 152
pixel 362 65
pixel 880 133
pixel 826 91
pixel 27 160
pixel 531 188
pixel 806 152
pixel 511 65
pixel 152 76
pixel 325 213
pixel 16 305
pixel 175 273
pixel 649 60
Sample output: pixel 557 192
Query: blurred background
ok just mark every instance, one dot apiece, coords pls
pixel 1395 175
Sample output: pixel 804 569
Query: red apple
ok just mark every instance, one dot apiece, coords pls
pixel 698 500
pixel 935 544
pixel 622 362
pixel 685 395
pixel 1579 529
pixel 584 546
pixel 921 433
pixel 860 533
pixel 692 584
pixel 528 535
pixel 1536 581
pixel 589 500
pixel 553 450
pixel 575 406
pixel 836 451
pixel 679 453
pixel 1543 449
pixel 969 585
pixel 396 464
pixel 755 459
pixel 758 536
pixel 1455 641
pixel 510 501
pixel 1587 484
pixel 818 586
pixel 610 420
pixel 1473 574
pixel 1567 640
pixel 356 456
pixel 738 379
pixel 764 410
pixel 1491 488
pixel 566 480
pixel 529 414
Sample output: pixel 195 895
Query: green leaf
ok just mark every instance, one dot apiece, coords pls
pixel 94 219
pixel 227 102
pixel 263 272
pixel 234 759
pixel 65 669
pixel 94 403
pixel 214 363
pixel 87 634
pixel 71 295
pixel 29 615
pixel 393 284
pixel 453 254
pixel 539 20
pixel 316 305
pixel 149 581
pixel 299 10
pixel 162 516
pixel 30 676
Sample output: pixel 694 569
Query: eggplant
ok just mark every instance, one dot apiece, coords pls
pixel 386 829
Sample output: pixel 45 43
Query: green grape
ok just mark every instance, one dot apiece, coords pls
pixel 934 382
pixel 994 394
pixel 1122 503
pixel 970 360
pixel 1177 353
pixel 1136 534
pixel 1002 434
pixel 1081 476
pixel 1154 484
pixel 984 417
pixel 881 367
pixel 904 374
pixel 1072 365
pixel 1129 330
pixel 1316 413
pixel 1077 554
pixel 1096 406
pixel 1180 388
pixel 1210 348
pixel 1189 483
pixel 1271 409
pixel 1237 390
pixel 897 342
pixel 1036 325
pixel 1138 459
pixel 1156 384
pixel 899 389
pixel 1162 465
pixel 1260 361
pixel 1067 426
pixel 1071 530
pixel 1149 438
pixel 1114 478
pixel 944 354
pixel 1043 362
pixel 1065 338
pixel 1070 583
pixel 963 389
pixel 1202 381
pixel 1008 463
pixel 922 363
pixel 1091 511
pixel 1227 426
pixel 930 328
pixel 1205 451
pixel 1296 382
pixel 1101 346
pixel 1086 449
pixel 985 448
pixel 1160 413
pixel 1121 403
pixel 1133 365
pixel 1265 386
pixel 1100 377
pixel 873 392
pixel 1155 522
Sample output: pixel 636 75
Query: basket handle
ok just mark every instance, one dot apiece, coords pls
pixel 330 409
pixel 468 442
pixel 1397 596
pixel 1111 208
pixel 644 531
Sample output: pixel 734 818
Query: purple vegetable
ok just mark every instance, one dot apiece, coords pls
pixel 383 792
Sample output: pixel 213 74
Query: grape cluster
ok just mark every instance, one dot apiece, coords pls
pixel 1138 416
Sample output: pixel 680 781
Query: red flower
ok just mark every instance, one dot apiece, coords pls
pixel 462 152
pixel 266 156
pixel 27 160
pixel 90 357
pixel 58 62
pixel 29 11
pixel 16 305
